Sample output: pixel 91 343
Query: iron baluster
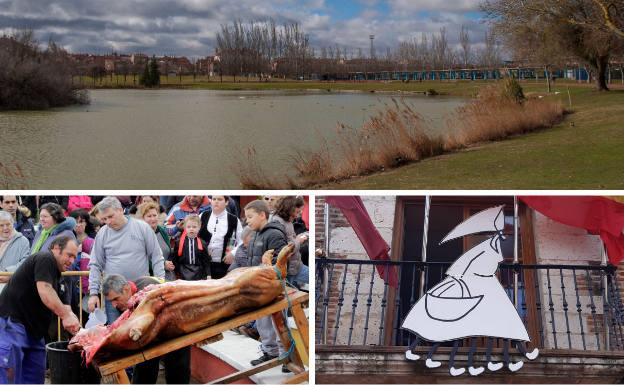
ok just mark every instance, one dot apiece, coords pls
pixel 617 332
pixel 605 309
pixel 326 295
pixel 538 305
pixel 579 309
pixel 383 304
pixel 369 302
pixel 523 304
pixel 551 308
pixel 354 303
pixel 592 306
pixel 565 309
pixel 397 307
pixel 340 302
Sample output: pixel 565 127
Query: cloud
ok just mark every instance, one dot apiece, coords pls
pixel 189 27
pixel 403 6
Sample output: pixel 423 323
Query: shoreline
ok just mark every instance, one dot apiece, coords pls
pixel 581 152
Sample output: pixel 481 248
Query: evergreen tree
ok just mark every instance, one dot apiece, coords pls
pixel 154 73
pixel 145 79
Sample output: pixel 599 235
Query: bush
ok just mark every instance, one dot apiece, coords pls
pixel 35 79
pixel 512 90
pixel 507 89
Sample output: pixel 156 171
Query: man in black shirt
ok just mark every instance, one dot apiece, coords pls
pixel 26 307
pixel 118 291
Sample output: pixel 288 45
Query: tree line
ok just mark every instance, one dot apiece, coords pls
pixel 534 32
pixel 260 49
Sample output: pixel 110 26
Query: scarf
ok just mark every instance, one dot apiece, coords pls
pixel 45 234
pixel 191 247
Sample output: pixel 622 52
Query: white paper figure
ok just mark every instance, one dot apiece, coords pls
pixel 470 302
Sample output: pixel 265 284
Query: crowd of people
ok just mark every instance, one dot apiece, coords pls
pixel 126 243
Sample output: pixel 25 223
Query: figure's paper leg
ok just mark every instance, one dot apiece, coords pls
pixel 513 366
pixel 455 372
pixel 430 363
pixel 471 369
pixel 522 349
pixel 409 353
pixel 492 366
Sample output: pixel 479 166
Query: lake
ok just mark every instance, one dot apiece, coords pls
pixel 179 139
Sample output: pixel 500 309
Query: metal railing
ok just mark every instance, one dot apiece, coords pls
pixel 77 276
pixel 562 306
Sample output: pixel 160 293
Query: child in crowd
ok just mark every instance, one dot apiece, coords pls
pixel 267 236
pixel 189 256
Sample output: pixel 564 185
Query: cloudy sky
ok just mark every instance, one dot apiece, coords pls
pixel 189 27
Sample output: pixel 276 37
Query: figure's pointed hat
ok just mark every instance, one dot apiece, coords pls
pixel 488 220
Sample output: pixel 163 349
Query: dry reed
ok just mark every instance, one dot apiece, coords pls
pixel 494 117
pixel 397 135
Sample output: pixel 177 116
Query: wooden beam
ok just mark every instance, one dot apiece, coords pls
pixel 112 366
pixel 295 368
pixel 297 379
pixel 120 377
pixel 282 332
pixel 302 325
pixel 249 372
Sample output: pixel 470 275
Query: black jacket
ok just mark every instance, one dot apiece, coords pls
pixel 206 235
pixel 191 263
pixel 25 226
pixel 272 236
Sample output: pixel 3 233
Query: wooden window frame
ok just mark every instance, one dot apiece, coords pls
pixel 525 216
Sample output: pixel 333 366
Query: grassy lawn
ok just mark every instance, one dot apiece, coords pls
pixel 463 88
pixel 586 151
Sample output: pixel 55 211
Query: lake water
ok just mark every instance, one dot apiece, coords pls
pixel 178 139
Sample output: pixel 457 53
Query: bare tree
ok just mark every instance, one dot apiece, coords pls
pixel 572 28
pixel 464 40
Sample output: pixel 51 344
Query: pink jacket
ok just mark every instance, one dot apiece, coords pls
pixel 79 202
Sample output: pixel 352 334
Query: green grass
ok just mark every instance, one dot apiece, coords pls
pixel 459 88
pixel 586 151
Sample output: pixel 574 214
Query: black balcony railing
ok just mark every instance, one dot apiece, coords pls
pixel 562 306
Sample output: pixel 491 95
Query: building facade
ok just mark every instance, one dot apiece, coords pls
pixel 564 290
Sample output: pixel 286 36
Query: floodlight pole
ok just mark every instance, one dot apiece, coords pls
pixel 326 284
pixel 424 245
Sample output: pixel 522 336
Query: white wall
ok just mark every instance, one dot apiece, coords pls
pixel 556 243
pixel 344 241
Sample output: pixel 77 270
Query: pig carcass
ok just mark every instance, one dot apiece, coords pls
pixel 164 311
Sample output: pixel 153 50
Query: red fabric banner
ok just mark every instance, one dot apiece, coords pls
pixel 598 215
pixel 376 247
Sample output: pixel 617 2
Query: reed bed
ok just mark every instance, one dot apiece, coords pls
pixel 397 135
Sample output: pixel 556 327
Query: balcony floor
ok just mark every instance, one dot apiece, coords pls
pixel 387 364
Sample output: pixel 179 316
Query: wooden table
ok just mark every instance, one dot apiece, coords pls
pixel 113 370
